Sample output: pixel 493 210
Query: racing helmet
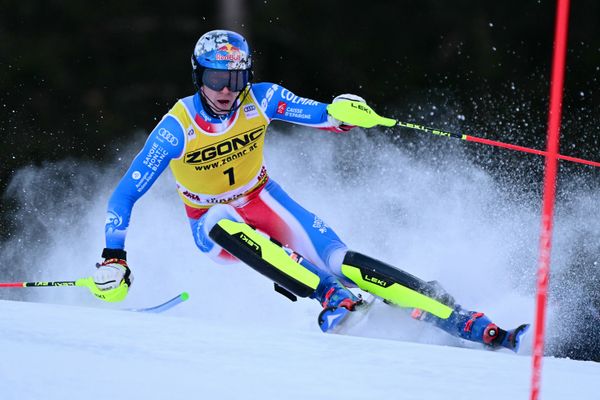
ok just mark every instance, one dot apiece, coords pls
pixel 222 58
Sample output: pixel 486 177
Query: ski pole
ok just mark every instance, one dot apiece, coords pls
pixel 83 282
pixel 360 114
pixel 88 282
pixel 111 296
pixel 475 139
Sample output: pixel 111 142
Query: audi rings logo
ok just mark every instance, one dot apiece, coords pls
pixel 168 136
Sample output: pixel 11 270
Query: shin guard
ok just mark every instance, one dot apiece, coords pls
pixel 266 256
pixel 394 285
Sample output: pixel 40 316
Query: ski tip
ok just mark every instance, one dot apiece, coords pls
pixel 522 329
pixel 515 341
pixel 167 305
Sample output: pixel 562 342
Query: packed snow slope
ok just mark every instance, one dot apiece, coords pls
pixel 68 352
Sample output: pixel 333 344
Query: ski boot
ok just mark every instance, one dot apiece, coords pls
pixel 479 328
pixel 337 302
pixel 512 338
pixel 476 327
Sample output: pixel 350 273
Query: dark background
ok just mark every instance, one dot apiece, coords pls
pixel 78 77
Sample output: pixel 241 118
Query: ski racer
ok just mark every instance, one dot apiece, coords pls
pixel 213 141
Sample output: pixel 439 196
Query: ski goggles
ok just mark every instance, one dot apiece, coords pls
pixel 217 79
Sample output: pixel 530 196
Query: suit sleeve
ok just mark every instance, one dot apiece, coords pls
pixel 164 143
pixel 278 103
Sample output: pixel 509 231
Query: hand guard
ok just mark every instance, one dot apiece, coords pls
pixel 340 126
pixel 113 277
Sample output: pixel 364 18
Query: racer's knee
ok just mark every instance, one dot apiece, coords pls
pixel 204 224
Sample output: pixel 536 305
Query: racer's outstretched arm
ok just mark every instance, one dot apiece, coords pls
pixel 165 143
pixel 279 103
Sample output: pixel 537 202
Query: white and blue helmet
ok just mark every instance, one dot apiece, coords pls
pixel 222 50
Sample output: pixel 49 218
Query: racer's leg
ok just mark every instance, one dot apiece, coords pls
pixel 430 301
pixel 275 213
pixel 263 211
pixel 202 221
pixel 292 274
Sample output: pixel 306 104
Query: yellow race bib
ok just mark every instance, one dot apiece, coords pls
pixel 220 162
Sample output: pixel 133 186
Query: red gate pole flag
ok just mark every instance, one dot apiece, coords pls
pixel 554 118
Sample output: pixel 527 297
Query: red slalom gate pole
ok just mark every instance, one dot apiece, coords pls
pixel 554 118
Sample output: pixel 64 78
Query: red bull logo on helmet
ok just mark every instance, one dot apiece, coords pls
pixel 229 52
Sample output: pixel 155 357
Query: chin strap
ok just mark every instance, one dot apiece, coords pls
pixel 210 107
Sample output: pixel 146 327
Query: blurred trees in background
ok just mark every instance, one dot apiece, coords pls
pixel 78 78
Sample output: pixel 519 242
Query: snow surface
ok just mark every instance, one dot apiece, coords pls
pixel 68 352
pixel 428 211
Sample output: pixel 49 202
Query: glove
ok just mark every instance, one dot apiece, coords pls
pixel 336 124
pixel 113 277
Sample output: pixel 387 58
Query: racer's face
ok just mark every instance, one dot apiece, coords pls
pixel 220 101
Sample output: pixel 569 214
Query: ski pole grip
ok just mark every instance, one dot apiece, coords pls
pixel 358 114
